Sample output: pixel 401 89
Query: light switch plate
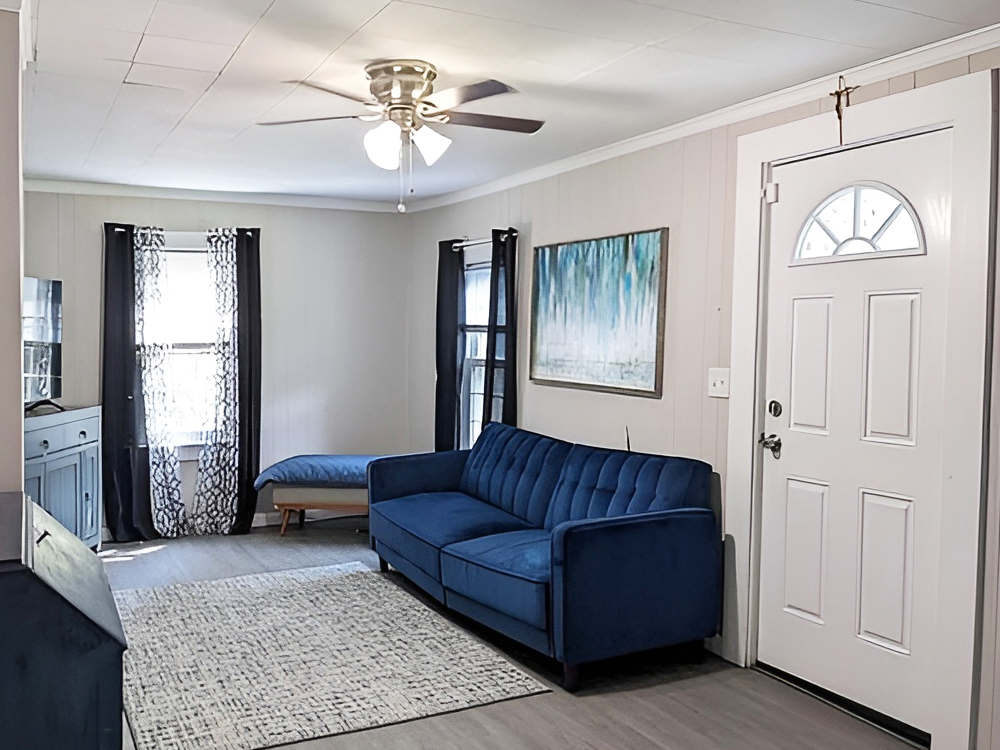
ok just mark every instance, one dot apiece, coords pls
pixel 718 382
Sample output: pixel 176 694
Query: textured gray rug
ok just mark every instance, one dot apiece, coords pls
pixel 265 660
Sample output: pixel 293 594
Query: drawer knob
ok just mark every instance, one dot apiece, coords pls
pixel 45 445
pixel 83 434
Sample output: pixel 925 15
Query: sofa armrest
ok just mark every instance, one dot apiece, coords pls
pixel 631 583
pixel 398 476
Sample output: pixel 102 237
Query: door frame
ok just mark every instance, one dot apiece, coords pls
pixel 968 105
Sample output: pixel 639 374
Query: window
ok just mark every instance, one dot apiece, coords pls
pixel 862 220
pixel 185 320
pixel 477 318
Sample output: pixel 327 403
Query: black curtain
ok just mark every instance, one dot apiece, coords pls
pixel 123 424
pixel 125 460
pixel 450 348
pixel 248 344
pixel 500 391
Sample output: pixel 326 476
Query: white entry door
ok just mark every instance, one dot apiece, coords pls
pixel 858 306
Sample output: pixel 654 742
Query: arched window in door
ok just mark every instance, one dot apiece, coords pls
pixel 861 220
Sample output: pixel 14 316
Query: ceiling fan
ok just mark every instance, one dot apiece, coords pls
pixel 404 101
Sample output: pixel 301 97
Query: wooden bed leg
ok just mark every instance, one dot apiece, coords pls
pixel 285 514
pixel 302 518
pixel 383 565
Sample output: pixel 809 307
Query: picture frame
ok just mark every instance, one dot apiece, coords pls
pixel 598 309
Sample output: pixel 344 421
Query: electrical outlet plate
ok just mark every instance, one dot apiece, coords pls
pixel 718 382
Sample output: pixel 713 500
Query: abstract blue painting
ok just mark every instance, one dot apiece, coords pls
pixel 597 313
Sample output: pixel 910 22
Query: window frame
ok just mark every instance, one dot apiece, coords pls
pixel 813 215
pixel 187 439
pixel 466 417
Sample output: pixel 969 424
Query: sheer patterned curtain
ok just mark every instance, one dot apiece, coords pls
pixel 166 381
pixel 169 517
pixel 215 496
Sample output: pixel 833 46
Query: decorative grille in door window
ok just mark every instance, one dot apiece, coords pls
pixel 864 220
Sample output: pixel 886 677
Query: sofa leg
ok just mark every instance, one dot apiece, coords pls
pixel 383 565
pixel 692 652
pixel 571 677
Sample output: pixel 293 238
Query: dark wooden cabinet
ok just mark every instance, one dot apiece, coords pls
pixel 61 661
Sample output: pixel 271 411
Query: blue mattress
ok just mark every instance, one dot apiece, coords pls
pixel 337 471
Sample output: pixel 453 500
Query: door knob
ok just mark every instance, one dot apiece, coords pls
pixel 772 443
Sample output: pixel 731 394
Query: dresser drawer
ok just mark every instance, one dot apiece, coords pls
pixel 49 440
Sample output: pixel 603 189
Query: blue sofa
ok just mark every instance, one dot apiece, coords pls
pixel 581 553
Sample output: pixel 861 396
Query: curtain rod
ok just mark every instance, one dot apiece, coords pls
pixel 472 243
pixel 482 241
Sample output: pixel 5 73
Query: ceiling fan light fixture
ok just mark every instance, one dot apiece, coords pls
pixel 430 143
pixel 383 145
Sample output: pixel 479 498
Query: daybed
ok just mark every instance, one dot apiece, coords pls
pixel 581 553
pixel 332 483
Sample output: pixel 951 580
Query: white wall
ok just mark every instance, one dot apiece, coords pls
pixel 680 185
pixel 333 286
pixel 11 407
pixel 687 185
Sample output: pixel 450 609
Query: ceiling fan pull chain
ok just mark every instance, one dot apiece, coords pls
pixel 401 206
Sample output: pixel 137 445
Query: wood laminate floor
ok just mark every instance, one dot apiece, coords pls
pixel 653 702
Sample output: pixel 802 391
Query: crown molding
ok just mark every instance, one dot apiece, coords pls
pixel 14 6
pixel 41 185
pixel 817 89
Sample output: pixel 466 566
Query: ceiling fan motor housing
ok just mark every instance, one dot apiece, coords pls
pixel 401 84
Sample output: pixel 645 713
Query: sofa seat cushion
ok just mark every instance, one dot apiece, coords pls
pixel 508 572
pixel 418 526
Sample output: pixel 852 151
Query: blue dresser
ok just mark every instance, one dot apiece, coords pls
pixel 62 469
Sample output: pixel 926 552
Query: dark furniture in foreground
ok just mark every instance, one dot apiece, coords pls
pixel 61 661
pixel 581 553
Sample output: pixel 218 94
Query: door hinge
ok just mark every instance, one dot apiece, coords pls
pixel 770 192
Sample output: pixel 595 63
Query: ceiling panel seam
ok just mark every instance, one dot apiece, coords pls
pixel 430 4
pixel 121 86
pixel 350 36
pixel 208 88
pixel 907 10
pixel 799 34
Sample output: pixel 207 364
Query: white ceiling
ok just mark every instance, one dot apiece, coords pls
pixel 166 93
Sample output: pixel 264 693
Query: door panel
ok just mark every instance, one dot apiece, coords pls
pixel 885 579
pixel 62 488
pixel 805 548
pixel 33 481
pixel 851 511
pixel 810 391
pixel 891 358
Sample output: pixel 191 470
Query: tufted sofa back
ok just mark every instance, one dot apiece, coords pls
pixel 599 483
pixel 515 470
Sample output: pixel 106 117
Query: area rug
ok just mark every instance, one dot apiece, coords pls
pixel 271 659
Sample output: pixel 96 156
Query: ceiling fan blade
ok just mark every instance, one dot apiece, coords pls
pixel 315 119
pixel 494 122
pixel 451 98
pixel 335 92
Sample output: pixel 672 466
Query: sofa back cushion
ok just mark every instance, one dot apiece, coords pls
pixel 515 470
pixel 598 483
